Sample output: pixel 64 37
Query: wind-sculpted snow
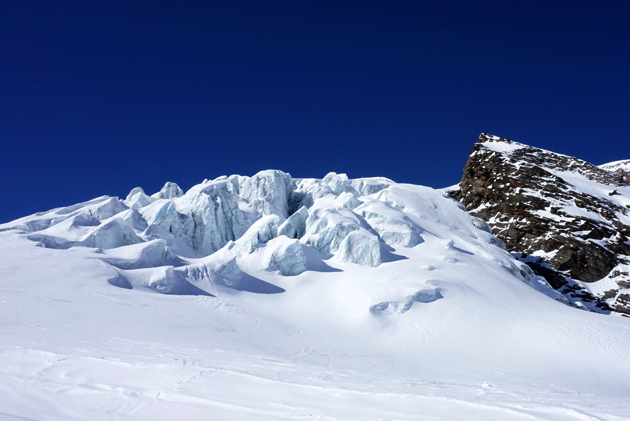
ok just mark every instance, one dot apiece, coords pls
pixel 267 222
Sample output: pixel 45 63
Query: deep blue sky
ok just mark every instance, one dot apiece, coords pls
pixel 99 97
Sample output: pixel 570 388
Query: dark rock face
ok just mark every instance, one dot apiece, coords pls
pixel 568 219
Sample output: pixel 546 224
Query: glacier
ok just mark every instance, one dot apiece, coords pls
pixel 350 220
pixel 273 297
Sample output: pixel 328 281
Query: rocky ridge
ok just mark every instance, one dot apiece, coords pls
pixel 567 219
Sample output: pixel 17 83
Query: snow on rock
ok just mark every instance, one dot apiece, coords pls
pixel 285 256
pixel 268 192
pixel 620 167
pixel 360 247
pixel 169 191
pixel 572 215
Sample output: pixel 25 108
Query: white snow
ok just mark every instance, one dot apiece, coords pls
pixel 500 146
pixel 624 164
pixel 225 310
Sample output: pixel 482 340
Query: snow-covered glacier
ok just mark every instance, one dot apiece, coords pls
pixel 273 297
pixel 278 219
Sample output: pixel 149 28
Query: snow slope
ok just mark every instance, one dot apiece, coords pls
pixel 268 297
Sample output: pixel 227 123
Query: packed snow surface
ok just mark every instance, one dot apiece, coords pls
pixel 268 297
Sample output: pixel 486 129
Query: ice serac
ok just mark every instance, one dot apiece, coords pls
pixel 371 185
pixel 138 199
pixel 169 281
pixel 567 219
pixel 262 231
pixel 147 254
pixel 162 217
pixel 86 231
pixel 295 225
pixel 360 247
pixel 285 256
pixel 326 228
pixel 135 219
pixel 233 231
pixel 268 192
pixel 115 233
pixel 336 182
pixel 169 191
pixel 392 225
pixel 213 207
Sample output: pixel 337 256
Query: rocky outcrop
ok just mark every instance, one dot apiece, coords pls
pixel 568 219
pixel 620 167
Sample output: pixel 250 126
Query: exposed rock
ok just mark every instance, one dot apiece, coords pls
pixel 552 206
pixel 620 167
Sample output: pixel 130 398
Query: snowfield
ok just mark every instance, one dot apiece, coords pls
pixel 268 298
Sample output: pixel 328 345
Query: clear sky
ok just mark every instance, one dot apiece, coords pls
pixel 98 97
